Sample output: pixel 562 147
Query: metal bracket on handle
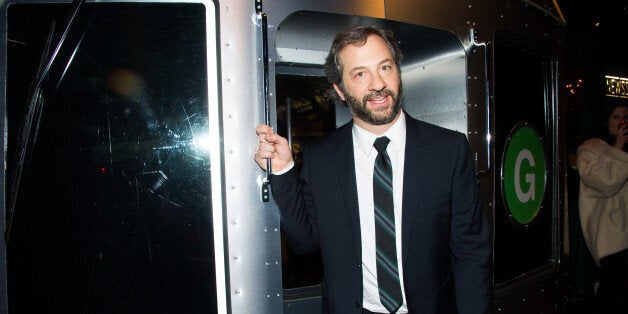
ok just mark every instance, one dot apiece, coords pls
pixel 264 32
pixel 265 191
pixel 258 6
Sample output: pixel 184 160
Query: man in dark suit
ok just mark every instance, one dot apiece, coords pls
pixel 392 202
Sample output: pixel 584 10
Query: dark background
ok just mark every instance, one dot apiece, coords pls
pixel 596 45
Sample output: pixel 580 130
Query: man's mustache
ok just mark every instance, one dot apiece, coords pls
pixel 383 92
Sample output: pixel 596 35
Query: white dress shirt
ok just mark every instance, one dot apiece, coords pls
pixel 364 155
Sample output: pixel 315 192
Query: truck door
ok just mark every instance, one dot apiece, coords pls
pixel 111 159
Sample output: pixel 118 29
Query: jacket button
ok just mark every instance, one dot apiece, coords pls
pixel 358 304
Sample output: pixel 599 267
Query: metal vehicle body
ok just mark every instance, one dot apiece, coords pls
pixel 148 153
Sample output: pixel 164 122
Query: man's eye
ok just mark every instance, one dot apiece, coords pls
pixel 359 74
pixel 386 67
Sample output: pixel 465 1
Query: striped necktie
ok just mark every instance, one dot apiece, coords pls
pixel 386 245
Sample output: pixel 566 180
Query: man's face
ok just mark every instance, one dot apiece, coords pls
pixel 371 81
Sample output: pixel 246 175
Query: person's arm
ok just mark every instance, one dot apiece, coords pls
pixel 290 192
pixel 298 218
pixel 470 239
pixel 603 168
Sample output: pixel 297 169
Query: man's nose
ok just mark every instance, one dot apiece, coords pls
pixel 377 82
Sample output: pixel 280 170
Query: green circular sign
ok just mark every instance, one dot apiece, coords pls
pixel 523 173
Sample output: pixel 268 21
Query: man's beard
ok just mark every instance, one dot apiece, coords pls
pixel 361 110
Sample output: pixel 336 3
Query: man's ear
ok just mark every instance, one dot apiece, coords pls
pixel 339 92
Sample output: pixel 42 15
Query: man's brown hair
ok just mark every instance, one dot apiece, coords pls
pixel 356 35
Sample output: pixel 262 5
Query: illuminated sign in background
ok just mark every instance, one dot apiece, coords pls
pixel 524 173
pixel 616 86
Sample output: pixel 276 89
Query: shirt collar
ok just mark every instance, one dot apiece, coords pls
pixel 364 139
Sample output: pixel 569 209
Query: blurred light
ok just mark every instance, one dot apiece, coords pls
pixel 201 142
pixel 616 86
pixel 573 88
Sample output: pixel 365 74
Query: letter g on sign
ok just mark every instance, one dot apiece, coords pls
pixel 524 196
pixel 523 174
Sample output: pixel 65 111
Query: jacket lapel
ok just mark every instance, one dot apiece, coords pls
pixel 345 169
pixel 412 179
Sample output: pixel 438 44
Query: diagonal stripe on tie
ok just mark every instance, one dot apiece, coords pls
pixel 386 245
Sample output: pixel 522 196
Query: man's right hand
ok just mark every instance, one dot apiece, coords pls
pixel 272 146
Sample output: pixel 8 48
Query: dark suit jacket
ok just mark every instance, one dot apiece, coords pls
pixel 445 235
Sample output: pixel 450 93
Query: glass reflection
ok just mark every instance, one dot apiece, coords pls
pixel 114 211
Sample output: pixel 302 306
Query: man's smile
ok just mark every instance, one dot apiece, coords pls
pixel 378 99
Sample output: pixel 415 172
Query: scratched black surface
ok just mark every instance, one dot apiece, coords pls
pixel 114 211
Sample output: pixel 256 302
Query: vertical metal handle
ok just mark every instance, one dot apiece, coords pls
pixel 264 31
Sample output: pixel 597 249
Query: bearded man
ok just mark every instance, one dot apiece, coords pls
pixel 392 202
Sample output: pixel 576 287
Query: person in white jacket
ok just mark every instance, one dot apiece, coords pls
pixel 603 199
